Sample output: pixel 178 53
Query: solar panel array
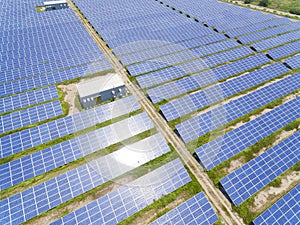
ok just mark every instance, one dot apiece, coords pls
pixel 31 202
pixel 196 210
pixel 285 50
pixel 23 140
pixel 258 27
pixel 53 157
pixel 246 39
pixel 285 211
pixel 161 76
pixel 257 173
pixel 197 100
pixel 26 99
pixel 123 202
pixel 15 120
pixel 212 119
pixel 201 79
pixel 276 41
pixel 293 61
pixel 230 144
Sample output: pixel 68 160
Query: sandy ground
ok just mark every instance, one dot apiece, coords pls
pixel 268 195
pixel 235 164
pixel 70 94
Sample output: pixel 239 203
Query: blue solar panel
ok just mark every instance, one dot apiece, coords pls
pixel 29 116
pixel 161 76
pixel 230 144
pixel 206 122
pixel 259 26
pixel 26 99
pixel 293 61
pixel 279 40
pixel 44 133
pixel 129 199
pixel 205 97
pixel 285 211
pixel 196 210
pixel 34 201
pixel 198 80
pixel 53 157
pixel 285 50
pixel 246 39
pixel 256 174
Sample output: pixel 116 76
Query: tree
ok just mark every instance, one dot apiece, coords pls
pixel 247 1
pixel 263 3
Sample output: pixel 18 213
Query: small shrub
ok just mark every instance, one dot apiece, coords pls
pixel 295 10
pixel 263 3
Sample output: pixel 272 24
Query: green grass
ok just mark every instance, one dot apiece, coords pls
pixel 282 5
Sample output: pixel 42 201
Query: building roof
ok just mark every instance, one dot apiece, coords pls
pixel 99 84
pixel 55 2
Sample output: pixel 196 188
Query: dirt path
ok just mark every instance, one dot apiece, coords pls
pixel 70 95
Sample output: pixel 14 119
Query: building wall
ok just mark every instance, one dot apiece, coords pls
pixel 95 99
pixel 56 6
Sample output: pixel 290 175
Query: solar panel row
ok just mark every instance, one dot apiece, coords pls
pixel 230 144
pixel 285 50
pixel 196 210
pixel 257 173
pixel 285 211
pixel 210 95
pixel 53 157
pixel 293 61
pixel 258 27
pixel 208 121
pixel 168 74
pixel 279 40
pixel 184 54
pixel 26 99
pixel 23 140
pixel 246 39
pixel 201 79
pixel 123 202
pixel 34 201
pixel 15 120
pixel 18 86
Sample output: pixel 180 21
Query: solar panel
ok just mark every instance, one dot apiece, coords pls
pixel 246 39
pixel 293 61
pixel 34 201
pixel 210 120
pixel 27 167
pixel 230 144
pixel 210 95
pixel 285 50
pixel 285 211
pixel 196 210
pixel 257 173
pixel 132 197
pixel 276 41
pixel 29 116
pixel 187 84
pixel 27 99
pixel 44 133
pixel 161 76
